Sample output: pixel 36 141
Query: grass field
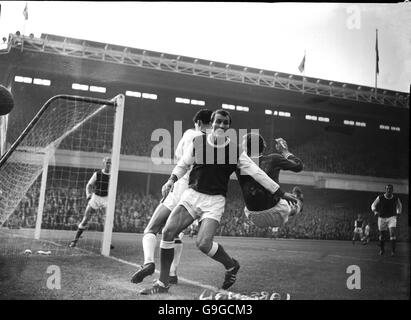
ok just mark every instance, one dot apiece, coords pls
pixel 304 269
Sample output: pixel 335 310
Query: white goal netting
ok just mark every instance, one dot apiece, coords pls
pixel 43 180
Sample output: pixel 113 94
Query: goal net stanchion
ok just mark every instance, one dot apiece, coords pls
pixel 68 136
pixel 43 185
pixel 115 165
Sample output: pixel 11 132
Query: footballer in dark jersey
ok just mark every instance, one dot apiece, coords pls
pixel 359 225
pixel 387 207
pixel 263 208
pixel 97 195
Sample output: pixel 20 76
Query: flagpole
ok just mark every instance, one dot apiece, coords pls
pixel 304 73
pixel 376 61
pixel 25 13
pixel 303 83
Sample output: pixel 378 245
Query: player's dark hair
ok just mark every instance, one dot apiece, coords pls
pixel 222 112
pixel 261 142
pixel 204 115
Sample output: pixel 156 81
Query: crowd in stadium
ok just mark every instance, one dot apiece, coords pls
pixel 346 152
pixel 328 152
pixel 64 208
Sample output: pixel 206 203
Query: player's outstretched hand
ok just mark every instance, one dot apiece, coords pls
pixel 290 198
pixel 167 188
pixel 281 145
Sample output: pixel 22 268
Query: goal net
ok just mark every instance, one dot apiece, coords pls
pixel 43 177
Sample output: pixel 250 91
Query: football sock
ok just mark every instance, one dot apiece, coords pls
pixel 78 234
pixel 166 258
pixel 149 247
pixel 178 249
pixel 218 253
pixel 382 245
pixel 393 245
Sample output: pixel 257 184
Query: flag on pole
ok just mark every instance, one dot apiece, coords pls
pixel 377 58
pixel 301 67
pixel 26 12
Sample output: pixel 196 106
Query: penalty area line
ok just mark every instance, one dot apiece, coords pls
pixel 188 281
pixel 182 279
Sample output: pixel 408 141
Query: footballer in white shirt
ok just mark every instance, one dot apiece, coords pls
pixel 201 123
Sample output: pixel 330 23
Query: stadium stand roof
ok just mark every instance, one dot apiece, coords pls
pixel 308 89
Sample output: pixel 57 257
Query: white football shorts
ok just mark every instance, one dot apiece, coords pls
pixel 358 230
pixel 97 202
pixel 385 223
pixel 173 198
pixel 202 206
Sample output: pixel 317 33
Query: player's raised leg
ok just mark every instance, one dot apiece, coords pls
pixel 279 214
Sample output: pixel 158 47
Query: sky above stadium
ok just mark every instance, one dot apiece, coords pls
pixel 339 39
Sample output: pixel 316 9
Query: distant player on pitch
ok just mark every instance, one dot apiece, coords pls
pixel 97 194
pixel 366 237
pixel 201 124
pixel 387 207
pixel 263 208
pixel 359 225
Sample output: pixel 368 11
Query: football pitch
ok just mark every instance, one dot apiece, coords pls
pixel 280 268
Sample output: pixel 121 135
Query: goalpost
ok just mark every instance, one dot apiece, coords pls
pixel 43 175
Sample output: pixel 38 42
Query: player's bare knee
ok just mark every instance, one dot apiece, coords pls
pixel 204 245
pixel 168 234
pixel 152 229
pixel 146 232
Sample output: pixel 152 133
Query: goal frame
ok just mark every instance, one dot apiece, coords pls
pixel 118 104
